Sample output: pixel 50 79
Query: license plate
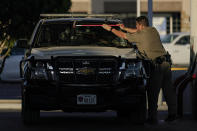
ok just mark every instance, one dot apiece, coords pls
pixel 86 99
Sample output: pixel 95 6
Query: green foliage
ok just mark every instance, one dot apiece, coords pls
pixel 18 17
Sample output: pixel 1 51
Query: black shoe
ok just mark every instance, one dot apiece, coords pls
pixel 171 118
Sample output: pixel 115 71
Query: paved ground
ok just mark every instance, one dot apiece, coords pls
pixel 10 120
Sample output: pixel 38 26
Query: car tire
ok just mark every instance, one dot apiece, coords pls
pixel 29 115
pixel 135 115
pixel 121 114
pixel 138 116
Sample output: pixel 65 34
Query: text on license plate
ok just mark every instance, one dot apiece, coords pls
pixel 86 99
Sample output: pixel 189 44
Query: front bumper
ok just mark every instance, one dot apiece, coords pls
pixel 53 96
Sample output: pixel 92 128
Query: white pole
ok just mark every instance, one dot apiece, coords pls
pixel 193 27
pixel 171 24
pixel 138 8
pixel 193 53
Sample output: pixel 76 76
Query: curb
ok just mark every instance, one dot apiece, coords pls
pixel 10 104
pixel 10 101
pixel 16 105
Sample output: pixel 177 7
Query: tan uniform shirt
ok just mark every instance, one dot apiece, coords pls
pixel 148 41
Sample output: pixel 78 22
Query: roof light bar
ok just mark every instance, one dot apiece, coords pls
pixel 76 15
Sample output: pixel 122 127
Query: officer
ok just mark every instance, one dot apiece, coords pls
pixel 148 42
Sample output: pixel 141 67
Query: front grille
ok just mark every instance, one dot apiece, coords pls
pixel 90 70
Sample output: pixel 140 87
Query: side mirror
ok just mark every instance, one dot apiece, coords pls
pixel 27 53
pixel 22 43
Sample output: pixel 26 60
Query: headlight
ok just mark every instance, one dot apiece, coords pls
pixel 43 71
pixel 133 70
pixel 39 73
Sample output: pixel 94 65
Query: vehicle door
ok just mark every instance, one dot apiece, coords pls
pixel 181 51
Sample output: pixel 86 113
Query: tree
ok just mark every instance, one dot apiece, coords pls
pixel 18 17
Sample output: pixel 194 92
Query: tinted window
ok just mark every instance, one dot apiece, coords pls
pixel 183 41
pixel 67 34
pixel 168 38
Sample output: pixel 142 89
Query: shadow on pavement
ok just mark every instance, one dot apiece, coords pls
pixel 89 122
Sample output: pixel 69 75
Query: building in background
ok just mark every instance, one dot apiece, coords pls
pixel 168 15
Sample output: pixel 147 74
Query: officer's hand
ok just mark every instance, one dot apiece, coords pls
pixel 122 26
pixel 106 27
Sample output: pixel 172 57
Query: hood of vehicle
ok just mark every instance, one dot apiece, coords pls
pixel 47 52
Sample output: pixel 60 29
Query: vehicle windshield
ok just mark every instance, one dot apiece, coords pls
pixel 68 34
pixel 168 38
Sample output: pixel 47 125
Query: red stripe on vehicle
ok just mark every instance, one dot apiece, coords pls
pixel 96 25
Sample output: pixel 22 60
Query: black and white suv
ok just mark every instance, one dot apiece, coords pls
pixel 74 65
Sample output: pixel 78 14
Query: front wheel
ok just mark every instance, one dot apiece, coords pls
pixel 121 114
pixel 139 115
pixel 29 115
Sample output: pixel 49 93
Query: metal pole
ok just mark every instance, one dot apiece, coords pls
pixel 138 8
pixel 193 53
pixel 150 12
pixel 171 24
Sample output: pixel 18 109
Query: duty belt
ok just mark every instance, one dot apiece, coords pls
pixel 161 59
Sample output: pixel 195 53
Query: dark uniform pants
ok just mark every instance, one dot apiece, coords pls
pixel 161 77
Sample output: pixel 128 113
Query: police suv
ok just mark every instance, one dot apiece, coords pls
pixel 74 65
